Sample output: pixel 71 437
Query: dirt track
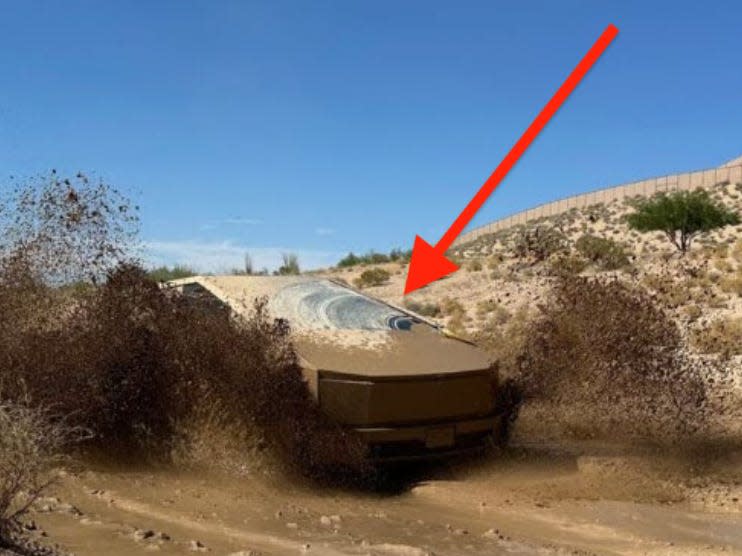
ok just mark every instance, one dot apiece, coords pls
pixel 582 500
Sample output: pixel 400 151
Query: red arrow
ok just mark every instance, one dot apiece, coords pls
pixel 429 263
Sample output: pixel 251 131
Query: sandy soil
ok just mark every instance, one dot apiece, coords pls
pixel 531 499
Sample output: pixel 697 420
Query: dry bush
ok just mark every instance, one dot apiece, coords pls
pixel 694 285
pixel 456 313
pixel 539 243
pixel 474 265
pixel 604 253
pixel 372 277
pixel 722 264
pixel 495 261
pixel 737 251
pixel 489 308
pixel 731 284
pixel 565 264
pixel 30 446
pixel 452 307
pixel 722 336
pixel 506 340
pixel 423 308
pixel 692 312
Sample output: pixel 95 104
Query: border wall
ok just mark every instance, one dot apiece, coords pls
pixel 645 188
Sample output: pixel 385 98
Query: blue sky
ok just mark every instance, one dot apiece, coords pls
pixel 323 127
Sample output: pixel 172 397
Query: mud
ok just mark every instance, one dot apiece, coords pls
pixel 531 499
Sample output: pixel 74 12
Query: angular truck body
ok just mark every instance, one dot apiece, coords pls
pixel 407 388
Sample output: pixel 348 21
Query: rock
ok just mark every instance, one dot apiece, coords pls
pixel 292 525
pixel 324 520
pixel 335 518
pixel 69 509
pixel 197 546
pixel 491 533
pixel 143 534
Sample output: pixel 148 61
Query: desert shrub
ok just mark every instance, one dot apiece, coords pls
pixel 604 352
pixel 395 255
pixel 372 277
pixel 424 309
pixel 351 259
pixel 492 310
pixel 495 261
pixel 248 268
pixel 166 273
pixel 474 265
pixel 722 264
pixel 681 216
pixel 30 445
pixel 693 312
pixel 452 307
pixel 603 252
pixel 505 340
pixel 732 283
pixel 289 266
pixel 456 315
pixel 539 243
pixel 567 264
pixel 722 336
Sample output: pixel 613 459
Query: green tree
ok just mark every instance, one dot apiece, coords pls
pixel 681 216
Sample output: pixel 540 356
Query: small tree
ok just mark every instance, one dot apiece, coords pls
pixel 249 268
pixel 290 265
pixel 681 216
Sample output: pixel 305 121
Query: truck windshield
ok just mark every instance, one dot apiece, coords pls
pixel 324 305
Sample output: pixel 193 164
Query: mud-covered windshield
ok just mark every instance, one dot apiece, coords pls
pixel 324 305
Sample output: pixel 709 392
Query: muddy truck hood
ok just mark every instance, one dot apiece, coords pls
pixel 422 351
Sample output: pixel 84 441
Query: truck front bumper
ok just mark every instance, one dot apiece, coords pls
pixel 389 444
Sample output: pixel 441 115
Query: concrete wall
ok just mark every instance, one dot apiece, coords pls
pixel 676 182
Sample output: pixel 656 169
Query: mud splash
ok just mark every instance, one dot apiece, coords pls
pixel 152 377
pixel 601 359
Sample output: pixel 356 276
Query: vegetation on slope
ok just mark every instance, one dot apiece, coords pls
pixel 681 216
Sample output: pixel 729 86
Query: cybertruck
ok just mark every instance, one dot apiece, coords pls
pixel 406 387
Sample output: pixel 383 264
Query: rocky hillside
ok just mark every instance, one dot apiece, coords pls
pixel 506 274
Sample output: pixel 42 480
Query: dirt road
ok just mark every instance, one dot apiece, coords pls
pixel 582 499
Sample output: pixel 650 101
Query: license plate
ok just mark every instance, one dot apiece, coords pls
pixel 440 437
